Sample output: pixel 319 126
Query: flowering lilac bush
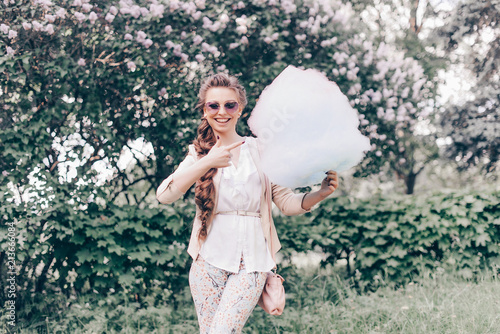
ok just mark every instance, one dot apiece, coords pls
pixel 85 81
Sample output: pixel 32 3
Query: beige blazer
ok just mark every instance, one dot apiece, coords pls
pixel 285 199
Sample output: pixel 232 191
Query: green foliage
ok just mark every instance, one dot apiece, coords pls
pixel 471 39
pixel 81 89
pixel 396 238
pixel 318 301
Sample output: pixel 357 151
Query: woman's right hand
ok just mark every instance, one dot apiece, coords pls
pixel 220 156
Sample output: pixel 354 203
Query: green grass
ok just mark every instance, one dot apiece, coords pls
pixel 317 302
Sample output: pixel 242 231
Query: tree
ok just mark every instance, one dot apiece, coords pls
pixel 470 36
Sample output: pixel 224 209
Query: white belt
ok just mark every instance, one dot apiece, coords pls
pixel 239 213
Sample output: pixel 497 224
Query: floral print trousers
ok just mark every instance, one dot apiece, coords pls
pixel 224 300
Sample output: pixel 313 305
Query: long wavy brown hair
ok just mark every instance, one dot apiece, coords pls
pixel 205 189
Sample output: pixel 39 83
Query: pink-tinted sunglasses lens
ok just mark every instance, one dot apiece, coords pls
pixel 213 107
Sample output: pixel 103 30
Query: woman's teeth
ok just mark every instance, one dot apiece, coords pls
pixel 223 120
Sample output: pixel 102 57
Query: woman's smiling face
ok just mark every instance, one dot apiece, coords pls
pixel 222 121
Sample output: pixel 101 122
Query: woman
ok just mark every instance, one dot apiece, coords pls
pixel 233 242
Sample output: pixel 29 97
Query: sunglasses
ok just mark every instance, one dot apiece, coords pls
pixel 230 106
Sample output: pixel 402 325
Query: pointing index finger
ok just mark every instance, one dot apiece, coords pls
pixel 234 145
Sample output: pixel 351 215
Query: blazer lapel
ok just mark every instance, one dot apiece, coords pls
pixel 254 151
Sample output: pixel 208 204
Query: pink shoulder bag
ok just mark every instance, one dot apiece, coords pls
pixel 272 299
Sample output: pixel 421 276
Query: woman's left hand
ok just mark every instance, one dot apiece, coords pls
pixel 329 184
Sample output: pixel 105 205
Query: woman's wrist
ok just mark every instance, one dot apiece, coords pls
pixel 311 199
pixel 204 164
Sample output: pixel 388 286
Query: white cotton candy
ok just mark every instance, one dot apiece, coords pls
pixel 306 127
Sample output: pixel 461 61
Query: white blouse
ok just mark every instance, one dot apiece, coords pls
pixel 232 237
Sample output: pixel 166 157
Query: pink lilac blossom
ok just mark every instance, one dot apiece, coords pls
pixel 215 26
pixel 184 57
pixel 169 44
pixel 210 48
pixel 141 36
pixel 81 62
pixel 135 11
pixel 131 65
pixel 80 16
pixel 128 37
pixel 125 10
pixel 368 59
pixel 92 17
pixel 10 51
pixel 351 75
pixel 77 3
pixel 197 15
pixel 376 97
pixel 168 29
pixel 37 26
pixel 301 37
pixel 147 43
pixel 224 18
pixel 189 7
pixel 162 62
pixel 109 17
pixel 389 115
pixel 405 92
pixel 50 18
pixel 44 3
pixel 392 102
pixel 351 91
pixel 221 68
pixel 113 10
pixel 416 87
pixel 288 6
pixel 12 34
pixel 61 12
pixel 87 7
pixel 200 58
pixel 174 5
pixel 200 4
pixel 340 57
pixel 241 29
pixel 205 47
pixel 242 20
pixel 49 29
pixel 233 45
pixel 197 39
pixel 387 93
pixel 144 11
pixel 26 25
pixel 4 28
pixel 157 10
pixel 244 40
